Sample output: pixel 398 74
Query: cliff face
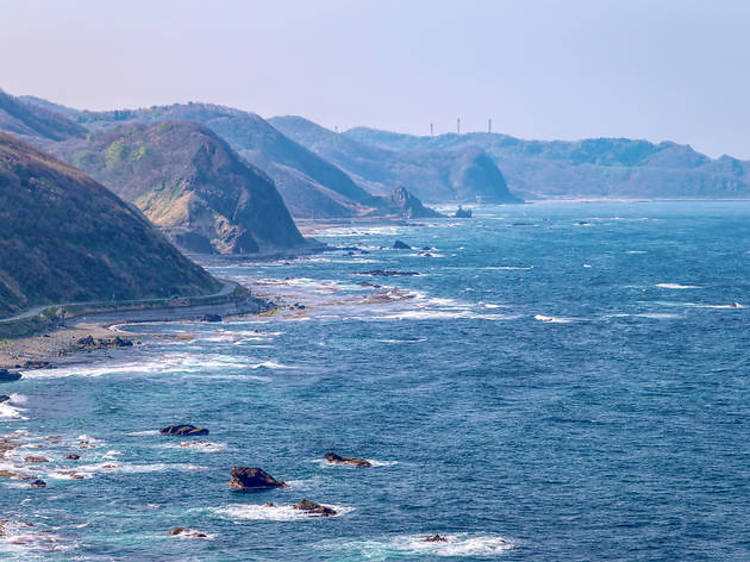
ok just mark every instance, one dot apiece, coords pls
pixel 64 238
pixel 409 206
pixel 434 175
pixel 189 183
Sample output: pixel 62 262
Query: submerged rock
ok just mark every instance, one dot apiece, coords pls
pixel 4 398
pixel 435 538
pixel 246 478
pixel 38 484
pixel 333 458
pixel 73 457
pixel 399 245
pixel 388 273
pixel 211 318
pixel 182 531
pixel 36 459
pixel 315 509
pixel 7 376
pixel 184 430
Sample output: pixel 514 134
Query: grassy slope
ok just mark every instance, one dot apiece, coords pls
pixel 64 237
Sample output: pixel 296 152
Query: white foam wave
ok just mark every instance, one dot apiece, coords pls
pixel 20 539
pixel 271 365
pixel 676 286
pixel 145 432
pixel 658 315
pixel 506 268
pixel 554 319
pixel 129 468
pixel 259 512
pixel 165 363
pixel 456 545
pixel 323 463
pixel 198 446
pixel 9 412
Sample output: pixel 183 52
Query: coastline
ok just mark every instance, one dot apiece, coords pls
pixel 59 344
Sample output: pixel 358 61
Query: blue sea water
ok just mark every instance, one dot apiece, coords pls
pixel 562 381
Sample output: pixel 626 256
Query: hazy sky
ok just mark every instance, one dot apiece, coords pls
pixel 657 69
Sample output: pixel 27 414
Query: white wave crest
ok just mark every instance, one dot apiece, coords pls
pixel 456 545
pixel 555 319
pixel 676 286
pixel 260 512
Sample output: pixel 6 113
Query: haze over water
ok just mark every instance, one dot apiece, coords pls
pixel 561 381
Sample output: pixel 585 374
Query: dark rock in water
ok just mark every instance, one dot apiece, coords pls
pixel 35 459
pixel 211 318
pixel 269 504
pixel 7 376
pixel 73 457
pixel 435 538
pixel 246 478
pixel 90 343
pixel 38 484
pixel 399 245
pixel 336 459
pixel 37 364
pixel 4 398
pixel 182 531
pixel 388 273
pixel 368 284
pixel 185 430
pixel 462 213
pixel 315 509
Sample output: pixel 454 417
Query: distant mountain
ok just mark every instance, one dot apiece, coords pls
pixel 34 122
pixel 311 186
pixel 64 237
pixel 607 167
pixel 434 175
pixel 50 106
pixel 190 183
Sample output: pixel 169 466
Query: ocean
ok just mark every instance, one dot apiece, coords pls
pixel 558 381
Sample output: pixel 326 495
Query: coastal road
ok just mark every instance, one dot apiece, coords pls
pixel 226 288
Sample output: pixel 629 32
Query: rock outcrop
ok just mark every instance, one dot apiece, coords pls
pixel 6 375
pixel 246 478
pixel 462 213
pixel 333 458
pixel 407 205
pixel 184 430
pixel 183 532
pixel 314 509
pixel 90 343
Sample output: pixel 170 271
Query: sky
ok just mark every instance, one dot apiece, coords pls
pixel 543 69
